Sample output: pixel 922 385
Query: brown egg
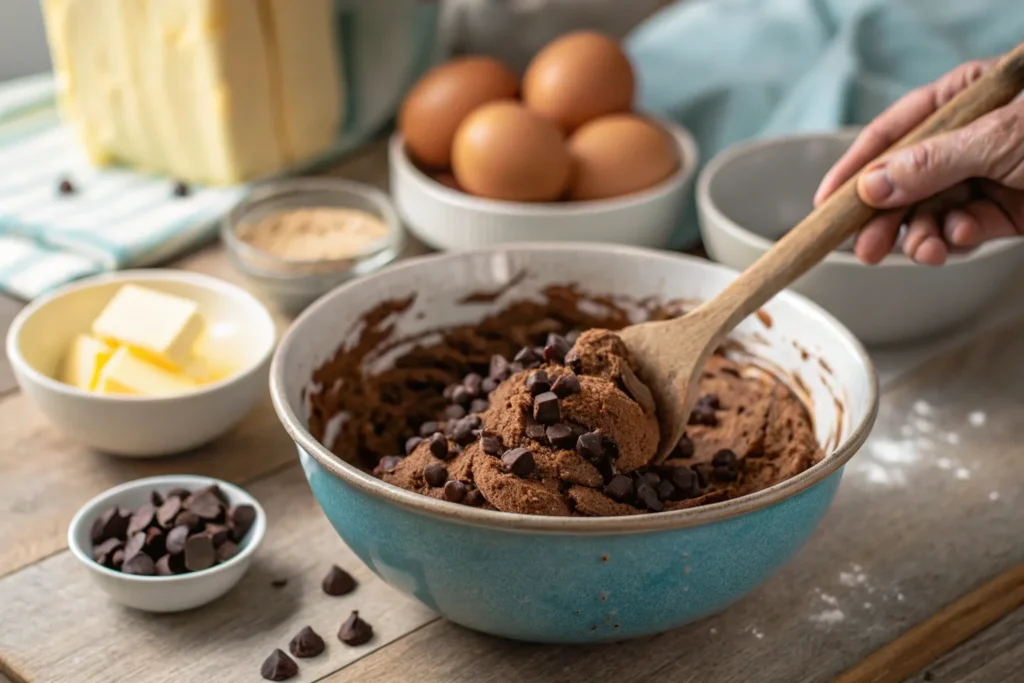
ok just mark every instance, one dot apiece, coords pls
pixel 448 180
pixel 577 78
pixel 505 151
pixel 443 97
pixel 619 154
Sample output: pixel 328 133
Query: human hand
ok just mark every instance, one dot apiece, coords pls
pixel 964 187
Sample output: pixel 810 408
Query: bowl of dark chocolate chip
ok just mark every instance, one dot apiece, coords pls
pixel 169 543
pixel 477 433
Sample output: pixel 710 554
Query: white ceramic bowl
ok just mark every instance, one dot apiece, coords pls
pixel 448 219
pixel 240 334
pixel 164 593
pixel 753 192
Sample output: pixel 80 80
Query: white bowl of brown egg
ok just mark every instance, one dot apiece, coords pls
pixel 483 156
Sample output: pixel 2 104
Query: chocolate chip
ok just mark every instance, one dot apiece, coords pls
pixel 723 458
pixel 65 187
pixel 240 520
pixel 117 559
pixel 338 582
pixel 181 189
pixel 389 463
pixel 620 488
pixel 428 428
pixel 651 478
pixel 411 443
pixel 176 537
pixel 726 474
pixel 142 518
pixel 140 565
pixel 573 362
pixel 537 432
pixel 703 472
pixel 439 446
pixel 591 446
pixel 102 553
pixel 572 336
pixel 566 385
pixel 528 357
pixel 556 348
pixel 178 492
pixel 560 436
pixel 703 415
pixel 168 512
pixel 226 551
pixel 498 369
pixel 435 474
pixel 111 524
pixel 710 400
pixel 684 480
pixel 516 368
pixel 307 643
pixel 464 428
pixel 648 497
pixel 665 490
pixel 454 412
pixel 156 542
pixel 279 667
pixel 189 519
pixel 454 491
pixel 491 444
pixel 488 385
pixel 519 461
pixel 684 449
pixel 578 430
pixel 447 393
pixel 611 449
pixel 218 533
pixel 134 545
pixel 474 384
pixel 355 631
pixel 538 382
pixel 479 405
pixel 199 552
pixel 169 565
pixel 461 396
pixel 206 504
pixel 155 499
pixel 474 498
pixel 546 409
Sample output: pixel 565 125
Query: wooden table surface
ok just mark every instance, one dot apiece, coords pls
pixel 930 509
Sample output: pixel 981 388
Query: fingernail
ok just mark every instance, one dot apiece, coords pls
pixel 876 184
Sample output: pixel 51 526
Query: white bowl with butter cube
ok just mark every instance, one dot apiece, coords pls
pixel 143 363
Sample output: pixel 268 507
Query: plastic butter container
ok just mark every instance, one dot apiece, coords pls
pixel 297 239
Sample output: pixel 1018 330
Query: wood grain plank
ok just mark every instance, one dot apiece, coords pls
pixel 86 638
pixel 930 509
pixel 47 477
pixel 996 655
pixel 8 309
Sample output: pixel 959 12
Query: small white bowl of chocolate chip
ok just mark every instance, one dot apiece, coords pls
pixel 169 543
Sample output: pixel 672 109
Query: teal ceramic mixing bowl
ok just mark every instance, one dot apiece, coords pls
pixel 576 580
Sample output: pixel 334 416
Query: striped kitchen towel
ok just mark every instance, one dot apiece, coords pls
pixel 116 218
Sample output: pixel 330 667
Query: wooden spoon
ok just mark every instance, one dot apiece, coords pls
pixel 671 354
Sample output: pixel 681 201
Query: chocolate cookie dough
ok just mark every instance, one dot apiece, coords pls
pixel 557 422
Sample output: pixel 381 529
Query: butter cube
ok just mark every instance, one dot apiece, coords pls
pixel 159 327
pixel 84 361
pixel 126 373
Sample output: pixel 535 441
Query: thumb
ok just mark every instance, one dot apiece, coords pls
pixel 983 149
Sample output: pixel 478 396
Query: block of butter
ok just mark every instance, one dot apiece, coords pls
pixel 126 373
pixel 159 327
pixel 207 91
pixel 84 361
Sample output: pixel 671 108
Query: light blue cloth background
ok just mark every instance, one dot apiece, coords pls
pixel 735 69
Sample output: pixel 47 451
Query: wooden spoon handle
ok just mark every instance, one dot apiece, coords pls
pixel 843 213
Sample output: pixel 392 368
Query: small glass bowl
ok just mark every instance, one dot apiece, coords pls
pixel 294 284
